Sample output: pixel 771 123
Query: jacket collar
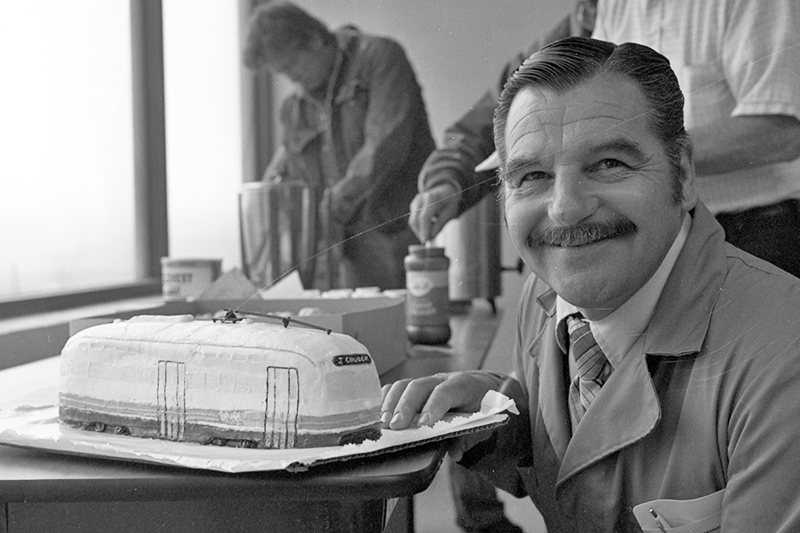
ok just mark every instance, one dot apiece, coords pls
pixel 684 309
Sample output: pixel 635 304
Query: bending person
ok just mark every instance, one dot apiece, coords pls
pixel 355 130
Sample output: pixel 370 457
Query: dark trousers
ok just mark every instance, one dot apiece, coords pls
pixel 770 232
pixel 478 509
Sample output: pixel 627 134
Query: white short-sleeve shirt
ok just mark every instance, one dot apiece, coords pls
pixel 732 58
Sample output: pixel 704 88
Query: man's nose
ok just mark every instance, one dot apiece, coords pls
pixel 572 199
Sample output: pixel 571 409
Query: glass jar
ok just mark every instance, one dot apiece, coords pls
pixel 428 302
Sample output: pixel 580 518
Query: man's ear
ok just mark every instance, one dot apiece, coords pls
pixel 689 197
pixel 586 15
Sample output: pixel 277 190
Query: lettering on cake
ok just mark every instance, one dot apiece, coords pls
pixel 352 359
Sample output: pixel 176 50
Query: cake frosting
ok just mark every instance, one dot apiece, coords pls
pixel 246 384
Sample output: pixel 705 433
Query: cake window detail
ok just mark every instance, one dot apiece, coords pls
pixel 280 419
pixel 171 410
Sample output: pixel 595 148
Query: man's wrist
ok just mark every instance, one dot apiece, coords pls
pixel 435 176
pixel 444 181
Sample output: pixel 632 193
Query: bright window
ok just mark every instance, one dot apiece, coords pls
pixel 66 140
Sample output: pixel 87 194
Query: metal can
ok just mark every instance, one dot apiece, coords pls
pixel 186 279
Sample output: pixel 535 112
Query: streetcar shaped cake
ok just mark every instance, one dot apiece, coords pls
pixel 236 383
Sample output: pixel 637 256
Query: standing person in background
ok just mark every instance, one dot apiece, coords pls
pixel 355 130
pixel 738 64
pixel 448 183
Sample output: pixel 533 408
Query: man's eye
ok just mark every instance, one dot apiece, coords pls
pixel 527 180
pixel 536 175
pixel 609 164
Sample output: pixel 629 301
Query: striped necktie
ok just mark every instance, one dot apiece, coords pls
pixel 593 367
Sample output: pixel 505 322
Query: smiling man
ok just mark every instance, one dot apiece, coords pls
pixel 653 360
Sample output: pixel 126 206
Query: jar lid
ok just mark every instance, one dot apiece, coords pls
pixel 425 251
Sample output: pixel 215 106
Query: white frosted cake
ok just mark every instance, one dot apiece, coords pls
pixel 246 384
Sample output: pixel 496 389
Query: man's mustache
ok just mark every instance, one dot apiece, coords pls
pixel 586 233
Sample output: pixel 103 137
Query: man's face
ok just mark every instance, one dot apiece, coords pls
pixel 585 167
pixel 308 67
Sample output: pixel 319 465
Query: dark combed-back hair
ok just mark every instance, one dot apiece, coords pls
pixel 276 27
pixel 569 62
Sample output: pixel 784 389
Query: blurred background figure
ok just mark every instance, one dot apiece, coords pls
pixel 738 64
pixel 355 131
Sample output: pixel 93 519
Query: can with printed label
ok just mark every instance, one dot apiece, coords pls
pixel 186 279
pixel 428 302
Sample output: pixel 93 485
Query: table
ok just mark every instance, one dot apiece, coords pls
pixel 42 491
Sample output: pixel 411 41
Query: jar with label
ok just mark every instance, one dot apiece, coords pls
pixel 428 301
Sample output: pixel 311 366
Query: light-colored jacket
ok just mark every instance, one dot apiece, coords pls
pixel 711 403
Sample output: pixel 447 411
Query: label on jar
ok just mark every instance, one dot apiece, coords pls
pixel 428 299
pixel 420 283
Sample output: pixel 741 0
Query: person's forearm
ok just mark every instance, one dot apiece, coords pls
pixel 745 142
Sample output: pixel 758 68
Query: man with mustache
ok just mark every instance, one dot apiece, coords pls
pixel 657 366
pixel 583 234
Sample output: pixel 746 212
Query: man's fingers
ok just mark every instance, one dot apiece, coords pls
pixel 431 398
pixel 428 215
pixel 415 218
pixel 449 394
pixel 431 210
pixel 403 399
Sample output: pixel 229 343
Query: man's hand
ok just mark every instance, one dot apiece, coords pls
pixel 432 209
pixel 432 397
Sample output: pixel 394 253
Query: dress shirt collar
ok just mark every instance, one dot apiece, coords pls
pixel 618 331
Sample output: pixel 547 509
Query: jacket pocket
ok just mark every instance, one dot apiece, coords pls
pixel 700 515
